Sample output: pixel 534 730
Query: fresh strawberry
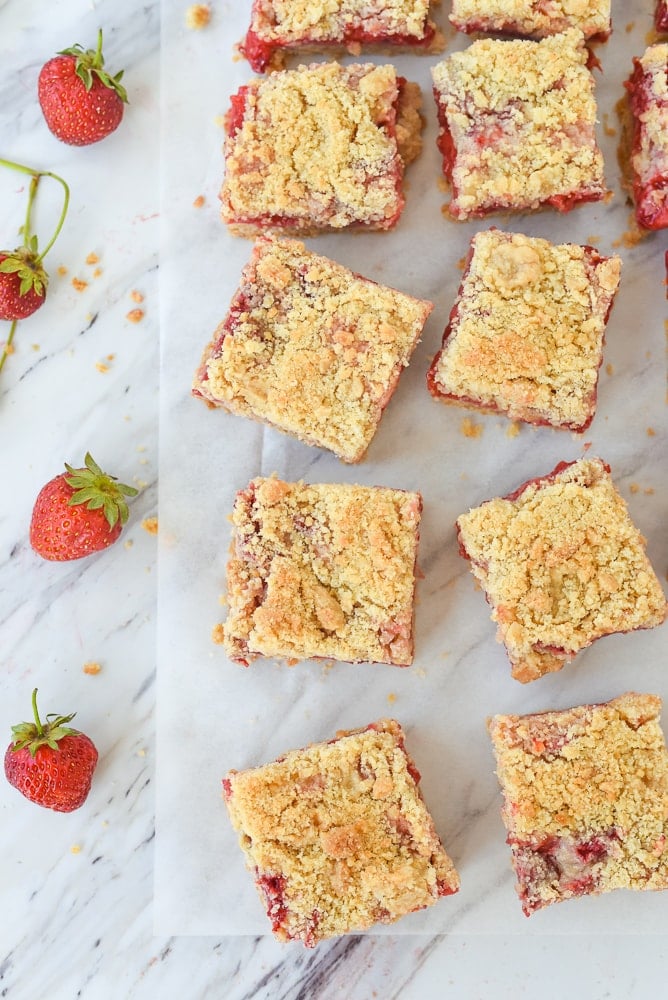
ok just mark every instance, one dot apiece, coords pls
pixel 80 101
pixel 78 513
pixel 23 282
pixel 50 763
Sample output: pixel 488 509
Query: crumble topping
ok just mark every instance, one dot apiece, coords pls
pixel 323 570
pixel 585 798
pixel 531 19
pixel 648 88
pixel 519 116
pixel 291 21
pixel 526 332
pixel 311 348
pixel 314 148
pixel 562 565
pixel 338 836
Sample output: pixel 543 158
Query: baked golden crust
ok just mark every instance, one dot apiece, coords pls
pixel 311 348
pixel 585 798
pixel 533 20
pixel 338 836
pixel 314 149
pixel 324 570
pixel 520 117
pixel 562 565
pixel 526 332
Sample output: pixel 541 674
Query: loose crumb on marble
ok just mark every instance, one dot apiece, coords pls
pixel 198 16
pixel 79 285
pixel 136 296
pixel 461 263
pixel 92 668
pixel 9 349
pixel 649 491
pixel 110 357
pixel 217 634
pixel 135 315
pixel 634 488
pixel 150 524
pixel 391 698
pixel 219 120
pixel 650 432
pixel 102 367
pixel 470 428
pixel 97 272
pixel 92 258
pixel 513 430
pixel 35 347
pixel 609 369
pixel 607 127
pixel 199 201
pixel 628 28
pixel 62 270
pixel 141 752
pixel 128 543
pixel 75 849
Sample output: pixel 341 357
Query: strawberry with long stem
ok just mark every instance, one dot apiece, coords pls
pixel 23 279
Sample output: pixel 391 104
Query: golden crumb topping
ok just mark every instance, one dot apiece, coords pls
pixel 338 836
pixel 650 154
pixel 311 348
pixel 315 149
pixel 323 570
pixel 293 21
pixel 562 565
pixel 531 19
pixel 521 115
pixel 528 330
pixel 586 788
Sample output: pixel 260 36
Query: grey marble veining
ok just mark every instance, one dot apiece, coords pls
pixel 76 891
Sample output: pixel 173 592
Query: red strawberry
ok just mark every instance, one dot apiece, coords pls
pixel 50 763
pixel 80 101
pixel 78 514
pixel 23 282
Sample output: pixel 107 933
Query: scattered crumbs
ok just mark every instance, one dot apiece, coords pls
pixel 607 127
pixel 141 752
pixel 292 662
pixel 513 430
pixel 101 367
pixel 75 849
pixel 9 349
pixel 391 698
pixel 35 347
pixel 609 369
pixel 92 668
pixel 150 524
pixel 62 270
pixel 79 285
pixel 649 491
pixel 199 201
pixel 128 543
pixel 217 634
pixel 135 315
pixel 141 447
pixel 586 446
pixel 219 120
pixel 634 488
pixel 92 258
pixel 593 239
pixel 470 429
pixel 143 461
pixel 650 432
pixel 628 28
pixel 445 213
pixel 461 263
pixel 198 16
pixel 110 357
pixel 136 296
pixel 97 272
pixel 420 671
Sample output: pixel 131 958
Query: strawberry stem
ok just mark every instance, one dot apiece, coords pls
pixel 7 349
pixel 36 174
pixel 38 724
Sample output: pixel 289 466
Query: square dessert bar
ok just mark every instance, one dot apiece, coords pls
pixel 338 837
pixel 561 565
pixel 279 27
pixel 528 19
pixel 319 148
pixel 517 126
pixel 323 570
pixel 648 104
pixel 525 336
pixel 311 348
pixel 585 798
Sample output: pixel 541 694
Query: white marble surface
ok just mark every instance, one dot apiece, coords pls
pixel 81 923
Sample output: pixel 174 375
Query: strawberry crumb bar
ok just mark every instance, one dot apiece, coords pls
pixel 561 565
pixel 338 837
pixel 318 148
pixel 585 798
pixel 517 126
pixel 279 27
pixel 525 335
pixel 311 348
pixel 323 570
pixel 528 19
pixel 648 104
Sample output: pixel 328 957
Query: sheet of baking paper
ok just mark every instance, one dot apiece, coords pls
pixel 214 715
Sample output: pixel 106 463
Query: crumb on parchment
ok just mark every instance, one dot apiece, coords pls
pixel 136 296
pixel 217 634
pixel 150 524
pixel 102 367
pixel 62 270
pixel 92 258
pixel 135 315
pixel 79 285
pixel 470 428
pixel 199 201
pixel 198 16
pixel 92 668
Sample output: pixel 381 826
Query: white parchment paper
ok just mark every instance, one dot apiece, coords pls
pixel 214 715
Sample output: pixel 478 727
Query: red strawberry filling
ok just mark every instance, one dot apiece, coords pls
pixel 661 16
pixel 650 187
